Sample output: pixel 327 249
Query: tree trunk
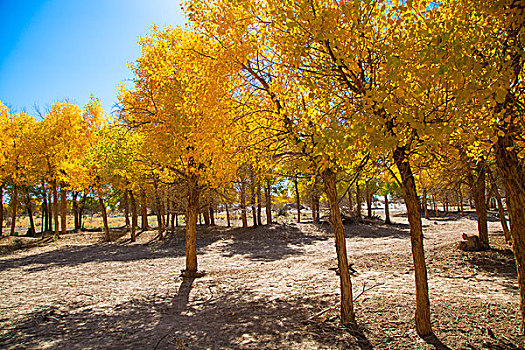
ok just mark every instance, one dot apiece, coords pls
pixel 347 304
pixel 422 316
pixel 55 206
pixel 315 216
pixel 268 196
pixel 81 211
pixel 159 210
pixel 169 210
pixel 63 209
pixel 253 194
pixel 228 223
pixel 512 172
pixel 425 207
pixel 1 209
pixel 350 202
pixel 206 214
pixel 501 210
pixel 30 214
pixel 45 212
pixel 126 209
pixel 297 199
pixel 259 204
pixel 387 211
pixel 144 211
pixel 14 205
pixel 368 203
pixel 358 201
pixel 74 195
pixel 435 205
pixel 212 215
pixel 243 204
pixel 191 229
pixel 134 217
pixel 50 212
pixel 478 192
pixel 107 237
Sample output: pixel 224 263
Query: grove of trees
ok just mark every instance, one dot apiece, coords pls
pixel 338 98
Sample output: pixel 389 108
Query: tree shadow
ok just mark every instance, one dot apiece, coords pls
pixel 496 261
pixel 433 340
pixel 225 319
pixel 269 243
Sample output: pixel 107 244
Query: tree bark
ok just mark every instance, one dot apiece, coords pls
pixel 81 210
pixel 347 305
pixel 297 199
pixel 50 211
pixel 350 202
pixel 63 209
pixel 206 214
pixel 212 215
pixel 478 192
pixel 1 209
pixel 387 211
pixel 134 217
pixel 192 212
pixel 126 209
pixel 425 208
pixel 259 204
pixel 368 203
pixel 144 211
pixel 55 206
pixel 74 196
pixel 30 214
pixel 228 223
pixel 243 204
pixel 358 201
pixel 501 210
pixel 253 194
pixel 107 237
pixel 14 205
pixel 512 172
pixel 268 196
pixel 45 212
pixel 422 317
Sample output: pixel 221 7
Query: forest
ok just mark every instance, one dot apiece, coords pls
pixel 203 212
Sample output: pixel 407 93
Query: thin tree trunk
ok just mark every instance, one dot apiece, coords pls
pixel 350 202
pixel 177 219
pixel 252 190
pixel 126 209
pixel 104 213
pixel 478 192
pixel 422 317
pixel 387 211
pixel 63 209
pixel 501 210
pixel 74 195
pixel 425 207
pixel 144 211
pixel 268 202
pixel 243 204
pixel 228 223
pixel 134 217
pixel 50 211
pixel 1 209
pixel 206 214
pixel 45 212
pixel 368 203
pixel 358 200
pixel 297 199
pixel 14 205
pixel 30 214
pixel 212 215
pixel 315 218
pixel 347 305
pixel 191 229
pixel 512 172
pixel 435 205
pixel 81 211
pixel 55 206
pixel 259 204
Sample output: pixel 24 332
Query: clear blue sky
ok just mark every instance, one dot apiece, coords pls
pixel 67 49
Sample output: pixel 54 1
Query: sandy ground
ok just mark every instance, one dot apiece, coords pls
pixel 269 287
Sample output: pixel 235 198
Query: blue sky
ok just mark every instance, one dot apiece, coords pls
pixel 67 49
